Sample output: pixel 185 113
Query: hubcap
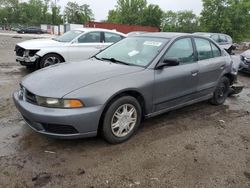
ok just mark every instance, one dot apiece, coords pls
pixel 124 120
pixel 51 61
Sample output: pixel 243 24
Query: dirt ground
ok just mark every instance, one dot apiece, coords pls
pixel 197 146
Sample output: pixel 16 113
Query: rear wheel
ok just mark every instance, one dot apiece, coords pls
pixel 121 120
pixel 50 59
pixel 221 92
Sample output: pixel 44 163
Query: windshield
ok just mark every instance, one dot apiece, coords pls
pixel 68 36
pixel 138 51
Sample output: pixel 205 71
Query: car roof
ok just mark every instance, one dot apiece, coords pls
pixel 85 29
pixel 209 34
pixel 167 35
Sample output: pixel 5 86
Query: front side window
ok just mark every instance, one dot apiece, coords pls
pixel 203 48
pixel 138 51
pixel 111 37
pixel 92 37
pixel 181 49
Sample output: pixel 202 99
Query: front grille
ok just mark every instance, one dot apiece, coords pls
pixel 30 97
pixel 59 129
pixel 19 51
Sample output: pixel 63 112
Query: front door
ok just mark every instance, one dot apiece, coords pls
pixel 85 46
pixel 176 84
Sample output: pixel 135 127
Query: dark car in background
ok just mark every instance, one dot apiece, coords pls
pixel 35 30
pixel 245 61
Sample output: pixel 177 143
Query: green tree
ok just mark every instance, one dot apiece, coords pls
pixel 32 12
pixel 182 21
pixel 152 15
pixel 113 16
pixel 226 16
pixel 77 14
pixel 130 11
pixel 136 12
pixel 56 17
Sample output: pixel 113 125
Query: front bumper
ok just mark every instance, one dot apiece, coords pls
pixel 60 123
pixel 27 60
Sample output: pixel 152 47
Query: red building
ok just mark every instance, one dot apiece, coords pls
pixel 121 27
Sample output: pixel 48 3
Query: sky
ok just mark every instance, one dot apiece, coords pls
pixel 100 8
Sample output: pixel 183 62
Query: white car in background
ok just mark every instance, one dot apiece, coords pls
pixel 74 45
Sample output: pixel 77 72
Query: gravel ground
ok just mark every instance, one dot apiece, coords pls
pixel 197 146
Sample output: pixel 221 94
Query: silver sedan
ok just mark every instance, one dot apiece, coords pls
pixel 139 77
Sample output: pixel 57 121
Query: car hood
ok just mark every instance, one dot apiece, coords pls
pixel 40 43
pixel 58 80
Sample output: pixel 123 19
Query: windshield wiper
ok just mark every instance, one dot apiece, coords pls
pixel 113 60
pixel 97 58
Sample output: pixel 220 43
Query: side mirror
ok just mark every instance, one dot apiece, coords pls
pixel 171 61
pixel 168 62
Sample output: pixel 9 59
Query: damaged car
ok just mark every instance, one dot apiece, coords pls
pixel 75 45
pixel 224 40
pixel 136 78
pixel 245 61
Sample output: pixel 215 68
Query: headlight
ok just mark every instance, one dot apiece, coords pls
pixel 30 53
pixel 243 58
pixel 59 103
pixel 26 53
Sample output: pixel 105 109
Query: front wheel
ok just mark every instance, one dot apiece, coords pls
pixel 121 120
pixel 221 92
pixel 50 59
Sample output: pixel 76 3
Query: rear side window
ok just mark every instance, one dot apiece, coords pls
pixel 203 48
pixel 216 50
pixel 216 38
pixel 111 37
pixel 181 49
pixel 229 39
pixel 223 39
pixel 92 37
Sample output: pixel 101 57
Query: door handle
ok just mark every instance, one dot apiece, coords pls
pixel 194 72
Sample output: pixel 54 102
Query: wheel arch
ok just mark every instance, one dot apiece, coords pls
pixel 48 53
pixel 130 92
pixel 53 53
pixel 230 77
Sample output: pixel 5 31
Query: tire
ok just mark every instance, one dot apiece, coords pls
pixel 113 135
pixel 50 59
pixel 221 92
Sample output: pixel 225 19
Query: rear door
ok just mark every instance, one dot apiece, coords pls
pixel 177 84
pixel 211 64
pixel 85 46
